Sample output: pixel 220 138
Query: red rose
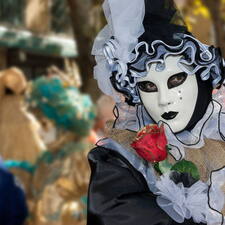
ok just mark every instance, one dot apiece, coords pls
pixel 151 143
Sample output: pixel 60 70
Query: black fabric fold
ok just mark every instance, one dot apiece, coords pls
pixel 162 20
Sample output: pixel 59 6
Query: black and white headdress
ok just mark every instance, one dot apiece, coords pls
pixel 142 32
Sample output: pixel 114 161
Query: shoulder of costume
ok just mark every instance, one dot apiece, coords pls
pixel 111 156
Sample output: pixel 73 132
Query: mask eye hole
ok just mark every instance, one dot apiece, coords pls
pixel 147 86
pixel 176 80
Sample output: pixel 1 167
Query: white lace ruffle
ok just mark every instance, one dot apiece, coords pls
pixel 201 202
pixel 182 203
pixel 124 20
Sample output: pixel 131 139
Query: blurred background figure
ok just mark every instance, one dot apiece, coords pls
pixel 61 175
pixel 105 107
pixel 47 125
pixel 18 127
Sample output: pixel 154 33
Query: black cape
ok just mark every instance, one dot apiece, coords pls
pixel 119 195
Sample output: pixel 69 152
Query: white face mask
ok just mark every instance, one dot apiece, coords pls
pixel 169 95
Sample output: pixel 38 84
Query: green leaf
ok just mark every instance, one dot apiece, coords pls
pixel 185 166
pixel 168 148
pixel 165 166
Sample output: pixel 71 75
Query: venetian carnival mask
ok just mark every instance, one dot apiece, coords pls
pixel 169 94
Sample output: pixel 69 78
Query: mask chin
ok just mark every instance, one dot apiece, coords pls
pixel 204 98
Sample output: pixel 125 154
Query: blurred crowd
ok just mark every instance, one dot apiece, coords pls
pixel 47 127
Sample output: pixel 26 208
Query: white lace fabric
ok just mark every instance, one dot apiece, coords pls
pixel 201 202
pixel 124 20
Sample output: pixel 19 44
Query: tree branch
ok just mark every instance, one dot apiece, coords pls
pixel 84 32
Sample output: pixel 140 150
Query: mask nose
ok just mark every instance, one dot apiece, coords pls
pixel 164 98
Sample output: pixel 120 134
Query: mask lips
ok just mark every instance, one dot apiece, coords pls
pixel 169 115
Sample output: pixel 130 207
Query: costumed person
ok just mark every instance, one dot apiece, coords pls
pixel 166 162
pixel 61 176
pixel 19 129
